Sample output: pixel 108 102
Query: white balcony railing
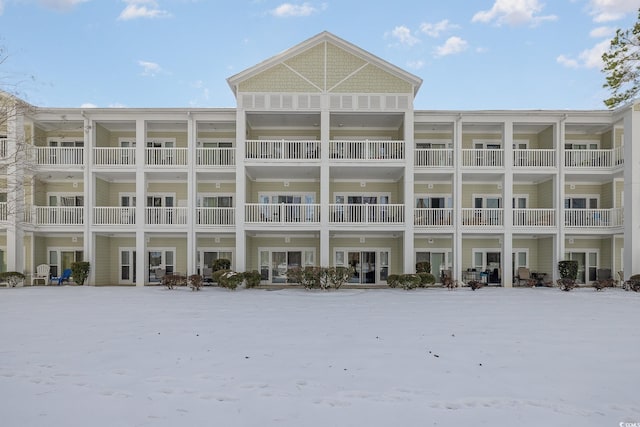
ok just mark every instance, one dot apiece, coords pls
pixel 59 156
pixel 482 158
pixel 114 156
pixel 283 213
pixel 3 211
pixel 485 217
pixel 594 158
pixel 166 156
pixel 534 158
pixel 366 214
pixel 534 217
pixel 104 215
pixel 216 156
pixel 367 150
pixel 433 217
pixel 166 216
pixel 216 216
pixel 282 150
pixel 59 215
pixel 437 157
pixel 593 218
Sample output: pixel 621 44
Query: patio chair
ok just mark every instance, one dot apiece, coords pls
pixel 524 275
pixel 42 273
pixel 66 275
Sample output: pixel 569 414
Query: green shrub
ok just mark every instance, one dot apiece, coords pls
pixel 221 264
pixel 215 276
pixel 308 277
pixel 634 283
pixel 252 278
pixel 426 279
pixel 80 271
pixel 393 280
pixel 568 269
pixel 13 278
pixel 423 267
pixel 409 281
pixel 231 280
pixel 338 276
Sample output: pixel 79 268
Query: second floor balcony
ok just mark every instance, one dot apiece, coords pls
pixel 58 215
pixel 591 159
pixel 283 150
pixel 58 156
pixel 363 214
pixel 594 218
pixel 282 213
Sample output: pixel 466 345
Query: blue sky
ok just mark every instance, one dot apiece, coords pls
pixel 471 54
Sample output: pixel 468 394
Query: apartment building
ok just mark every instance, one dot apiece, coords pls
pixel 323 162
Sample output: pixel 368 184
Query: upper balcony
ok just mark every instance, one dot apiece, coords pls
pixel 58 156
pixel 594 159
pixel 282 150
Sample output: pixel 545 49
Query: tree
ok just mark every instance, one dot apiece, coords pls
pixel 622 65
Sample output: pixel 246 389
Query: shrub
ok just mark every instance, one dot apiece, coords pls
pixel 308 277
pixel 426 279
pixel 80 271
pixel 173 280
pixel 393 280
pixel 633 283
pixel 252 278
pixel 215 276
pixel 568 269
pixel 13 278
pixel 423 267
pixel 566 284
pixel 195 281
pixel 475 284
pixel 409 281
pixel 231 280
pixel 338 276
pixel 221 264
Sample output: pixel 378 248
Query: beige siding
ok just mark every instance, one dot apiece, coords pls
pixel 179 188
pixel 113 247
pixel 606 196
pixel 102 192
pixel 115 189
pixel 372 79
pixel 180 137
pixel 468 138
pixel 278 78
pixel 210 187
pixel 545 191
pixel 468 190
pixel 106 267
pixel 544 263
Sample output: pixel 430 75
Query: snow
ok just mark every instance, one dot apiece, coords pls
pixel 86 356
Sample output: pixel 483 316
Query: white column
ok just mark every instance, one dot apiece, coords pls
pixel 325 184
pixel 558 254
pixel 192 194
pixel 241 188
pixel 631 261
pixel 456 267
pixel 89 198
pixel 142 260
pixel 507 196
pixel 16 146
pixel 409 266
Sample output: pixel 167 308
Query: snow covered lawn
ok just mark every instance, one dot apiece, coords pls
pixel 85 356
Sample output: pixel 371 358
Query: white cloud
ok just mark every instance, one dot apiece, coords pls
pixel 60 5
pixel 142 9
pixel 415 65
pixel 567 62
pixel 611 10
pixel 601 32
pixel 150 69
pixel 452 46
pixel 88 105
pixel 289 9
pixel 434 30
pixel 404 36
pixel 588 58
pixel 514 12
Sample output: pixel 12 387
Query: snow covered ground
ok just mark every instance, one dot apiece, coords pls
pixel 85 356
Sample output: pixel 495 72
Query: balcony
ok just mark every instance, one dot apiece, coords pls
pixel 482 217
pixel 166 216
pixel 216 156
pixel 594 218
pixel 482 157
pixel 58 215
pixel 599 159
pixel 114 215
pixel 108 156
pixel 534 217
pixel 534 158
pixel 367 150
pixel 283 213
pixel 59 156
pixel 366 214
pixel 433 217
pixel 166 156
pixel 434 157
pixel 282 150
pixel 3 211
pixel 216 216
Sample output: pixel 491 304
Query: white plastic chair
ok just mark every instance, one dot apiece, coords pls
pixel 42 273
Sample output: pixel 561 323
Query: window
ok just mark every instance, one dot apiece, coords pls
pixel 582 145
pixel 581 203
pixel 434 202
pixel 519 202
pixel 61 259
pixel 215 201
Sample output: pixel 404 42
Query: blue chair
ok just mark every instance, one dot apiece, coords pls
pixel 66 274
